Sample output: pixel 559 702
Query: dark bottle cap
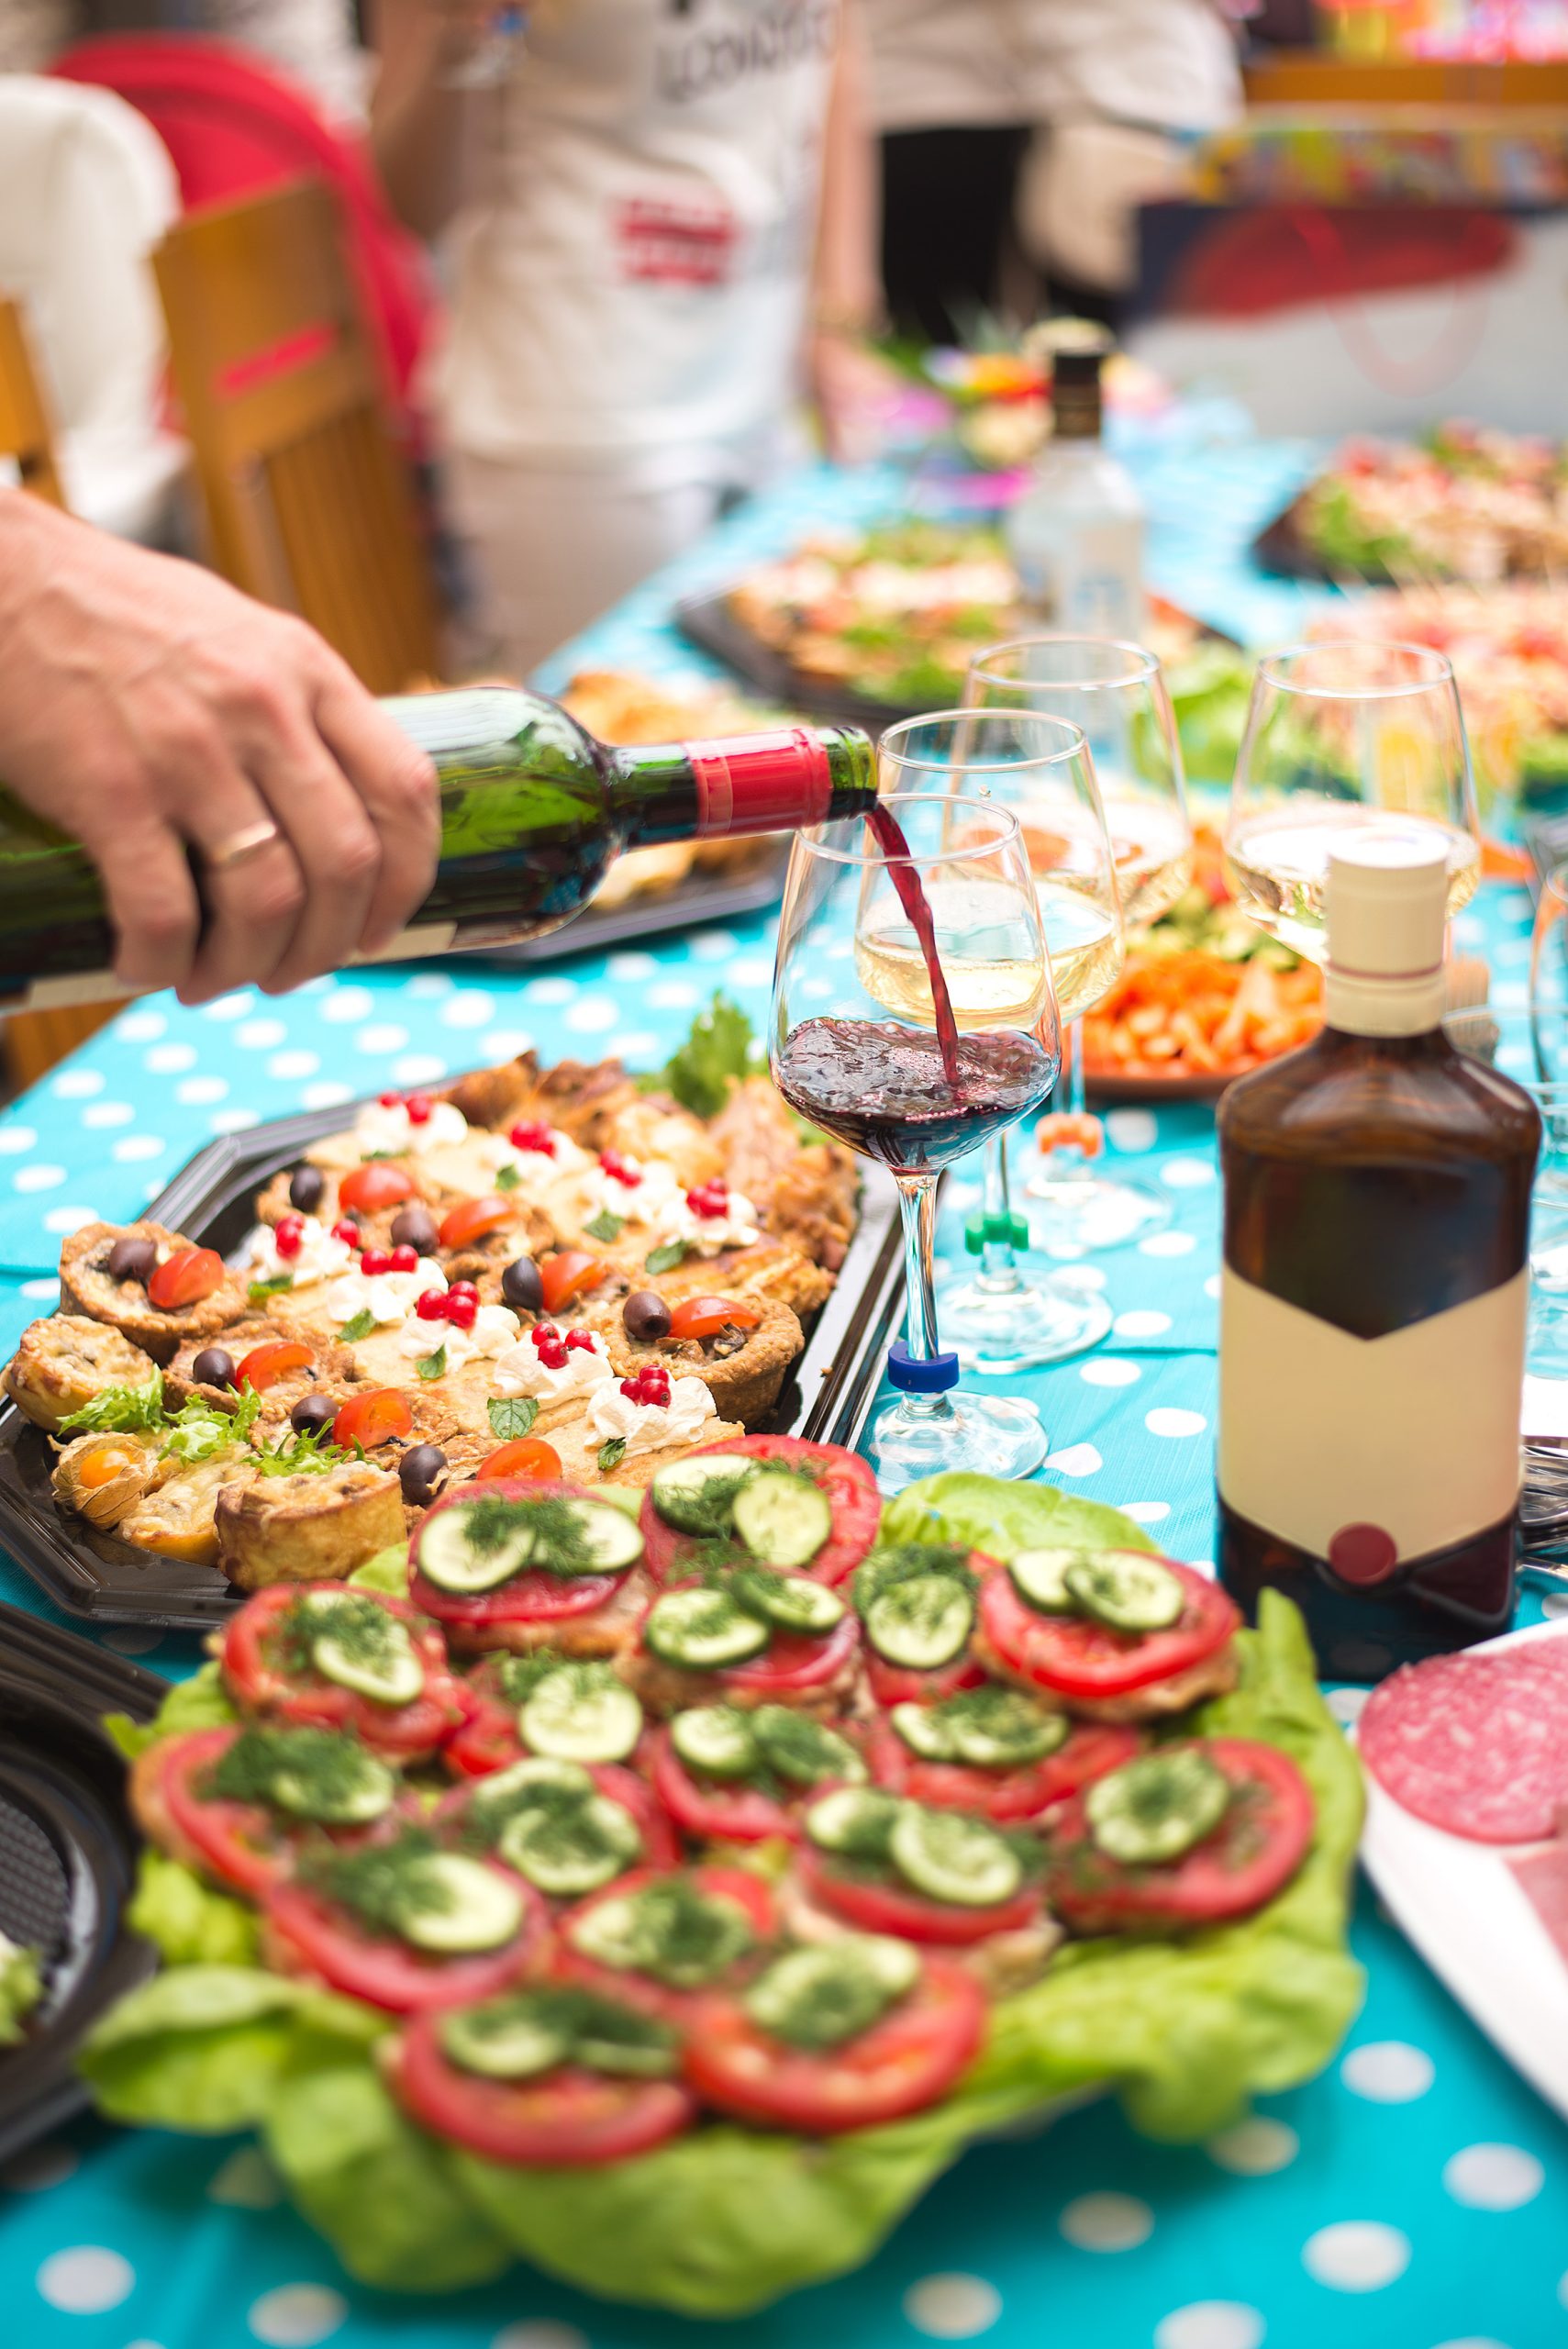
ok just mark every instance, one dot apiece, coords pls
pixel 1077 348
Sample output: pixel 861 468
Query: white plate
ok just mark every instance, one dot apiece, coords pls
pixel 1459 1903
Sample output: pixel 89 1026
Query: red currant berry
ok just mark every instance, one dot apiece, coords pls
pixel 544 1334
pixel 632 1389
pixel 390 1100
pixel 537 1136
pixel 288 1234
pixel 581 1340
pixel 431 1306
pixel 405 1260
pixel 348 1233
pixel 462 1288
pixel 461 1311
pixel 375 1261
pixel 419 1109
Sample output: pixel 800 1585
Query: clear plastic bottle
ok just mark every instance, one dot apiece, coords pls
pixel 1076 534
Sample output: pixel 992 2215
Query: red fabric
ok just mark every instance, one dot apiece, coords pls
pixel 233 127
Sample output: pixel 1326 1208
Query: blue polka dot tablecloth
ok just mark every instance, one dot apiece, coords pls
pixel 1414 2197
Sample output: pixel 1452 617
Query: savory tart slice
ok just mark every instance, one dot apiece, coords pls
pixel 66 1362
pixel 316 1525
pixel 630 1427
pixel 178 1517
pixel 153 1286
pixel 104 1477
pixel 256 1356
pixel 741 1348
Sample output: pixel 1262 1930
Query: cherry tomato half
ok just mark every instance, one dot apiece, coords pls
pixel 374 1187
pixel 1080 1659
pixel 570 2117
pixel 264 1364
pixel 373 1418
pixel 528 1456
pixel 185 1278
pixel 474 1219
pixel 563 1276
pixel 704 1317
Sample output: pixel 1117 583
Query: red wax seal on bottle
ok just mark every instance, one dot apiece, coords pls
pixel 1363 1553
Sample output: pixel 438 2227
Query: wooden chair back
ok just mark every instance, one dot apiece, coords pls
pixel 309 503
pixel 25 432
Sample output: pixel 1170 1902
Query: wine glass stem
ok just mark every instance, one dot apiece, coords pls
pixel 1072 1056
pixel 998 1261
pixel 917 1205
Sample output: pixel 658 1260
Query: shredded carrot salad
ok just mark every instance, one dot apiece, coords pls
pixel 1194 1014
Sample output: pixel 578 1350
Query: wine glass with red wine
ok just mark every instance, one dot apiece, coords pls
pixel 913 1017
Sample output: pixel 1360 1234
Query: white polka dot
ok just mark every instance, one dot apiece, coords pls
pixel 640 1044
pixel 1255 2147
pixel 39 2167
pixel 505 1043
pixel 44 1291
pixel 383 1038
pixel 1494 2177
pixel 1077 1460
pixel 1213 1286
pixel 540 2332
pixel 130 1642
pixel 38 1176
pixel 673 995
pixel 77 1084
pixel 199 1092
pixel 1516 1057
pixel 15 1140
pixel 428 987
pixel 233 1121
pixel 1187 1173
pixel 229 1007
pixel 136 1147
pixel 142 2342
pixel 171 1059
pixel 631 969
pixel 330 1094
pixel 1109 1370
pixel 1347 1703
pixel 1132 1326
pixel 345 1004
pixel 1356 2255
pixel 1210 2324
pixel 1169 1419
pixel 140 1027
pixel 1205 1566
pixel 86 2281
pixel 1167 1244
pixel 294 1063
pixel 595 1015
pixel 418 1068
pixel 1474 2341
pixel 1132 1130
pixel 261 1035
pixel 952 2308
pixel 817 990
pixel 1562 2289
pixel 468 1008
pixel 101 1114
pixel 246 2181
pixel 1555 1605
pixel 1088 1277
pixel 1106 2221
pixel 712 945
pixel 68 1219
pixel 752 971
pixel 296 2316
pixel 550 991
pixel 1146 1512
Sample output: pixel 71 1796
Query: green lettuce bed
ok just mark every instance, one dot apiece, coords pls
pixel 727 2218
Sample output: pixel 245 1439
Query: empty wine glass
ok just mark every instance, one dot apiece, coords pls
pixel 913 1014
pixel 1345 739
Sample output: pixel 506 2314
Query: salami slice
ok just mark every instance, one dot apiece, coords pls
pixel 1542 1877
pixel 1477 1744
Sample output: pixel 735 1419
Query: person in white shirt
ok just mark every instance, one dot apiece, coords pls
pixel 663 217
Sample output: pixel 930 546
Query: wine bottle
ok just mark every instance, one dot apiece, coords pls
pixel 533 808
pixel 1373 1296
pixel 1076 535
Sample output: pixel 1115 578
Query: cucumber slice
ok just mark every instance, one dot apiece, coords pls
pixel 1001 1729
pixel 924 1730
pixel 447 1553
pixel 361 1789
pixel 794 1602
pixel 565 1853
pixel 1039 1576
pixel 697 1494
pixel 612 1539
pixel 540 1778
pixel 579 1715
pixel 920 1624
pixel 670 1930
pixel 702 1631
pixel 783 1521
pixel 1126 1590
pixel 821 1996
pixel 855 1822
pixel 507 2038
pixel 624 2045
pixel 952 1858
pixel 1155 1808
pixel 365 1649
pixel 716 1740
pixel 455 1907
pixel 801 1750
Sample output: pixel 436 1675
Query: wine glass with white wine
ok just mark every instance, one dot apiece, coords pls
pixel 1345 739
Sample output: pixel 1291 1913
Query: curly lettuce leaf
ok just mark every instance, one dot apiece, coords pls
pixel 990 1514
pixel 200 1702
pixel 388 1571
pixel 719 1049
pixel 200 2047
pixel 187 1923
pixel 21 1988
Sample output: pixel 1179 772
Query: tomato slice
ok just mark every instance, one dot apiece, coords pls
pixel 487 1741
pixel 643 1991
pixel 901 2064
pixel 260 1681
pixel 527 1597
pixel 265 1364
pixel 1255 1850
pixel 316 1937
pixel 528 1456
pixel 1077 1657
pixel 712 1811
pixel 570 2118
pixel 474 1219
pixel 704 1317
pixel 185 1278
pixel 568 1273
pixel 238 1842
pixel 794 1661
pixel 898 1684
pixel 373 1418
pixel 1089 1753
pixel 374 1187
pixel 878 1907
pixel 849 1486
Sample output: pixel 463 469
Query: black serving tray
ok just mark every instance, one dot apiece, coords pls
pixel 709 622
pixel 67 1855
pixel 94 1575
pixel 1281 548
pixel 700 897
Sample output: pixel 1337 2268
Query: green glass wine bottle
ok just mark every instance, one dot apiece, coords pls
pixel 533 809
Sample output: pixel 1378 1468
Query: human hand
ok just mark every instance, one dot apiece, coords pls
pixel 149 710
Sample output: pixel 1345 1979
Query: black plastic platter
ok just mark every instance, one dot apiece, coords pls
pixel 700 897
pixel 212 1199
pixel 67 1855
pixel 709 622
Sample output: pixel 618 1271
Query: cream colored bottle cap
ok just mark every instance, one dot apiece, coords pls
pixel 1385 907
